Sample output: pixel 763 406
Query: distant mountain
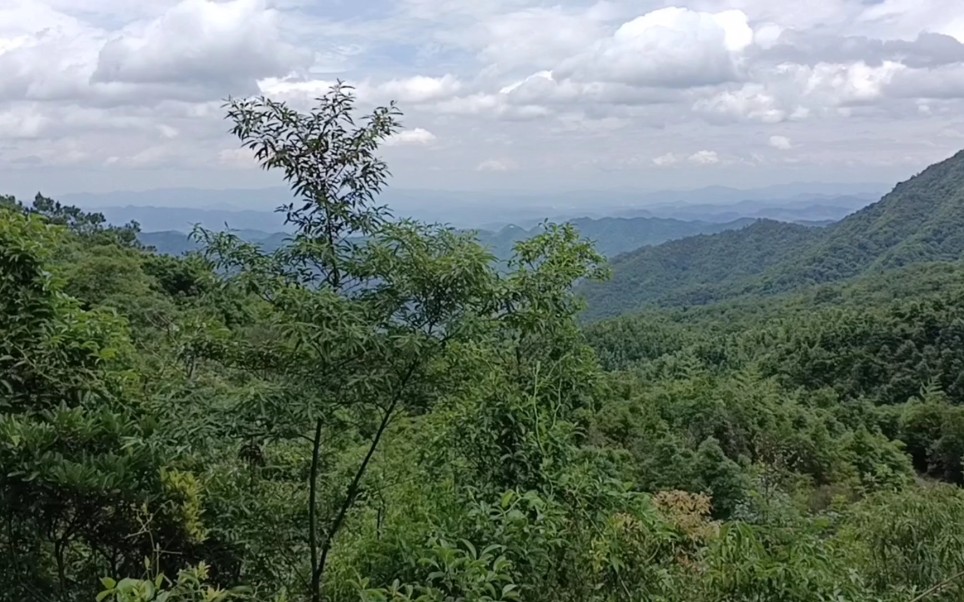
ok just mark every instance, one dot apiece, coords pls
pixel 241 199
pixel 611 235
pixel 172 242
pixel 180 208
pixel 160 219
pixel 806 208
pixel 614 235
pixel 921 220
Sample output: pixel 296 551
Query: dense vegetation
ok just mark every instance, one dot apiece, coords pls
pixel 696 270
pixel 921 220
pixel 376 412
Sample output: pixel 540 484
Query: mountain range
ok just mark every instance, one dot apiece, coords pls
pixel 921 220
pixel 252 209
pixel 611 235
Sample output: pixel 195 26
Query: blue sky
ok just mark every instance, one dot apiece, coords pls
pixel 102 95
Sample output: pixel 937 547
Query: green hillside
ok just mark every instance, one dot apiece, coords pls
pixel 698 269
pixel 921 220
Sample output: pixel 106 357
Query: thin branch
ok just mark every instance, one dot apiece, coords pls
pixel 935 589
pixel 354 487
pixel 313 512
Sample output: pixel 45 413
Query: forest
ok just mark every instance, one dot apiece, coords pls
pixel 919 221
pixel 379 411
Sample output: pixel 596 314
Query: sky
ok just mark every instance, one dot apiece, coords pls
pixel 101 95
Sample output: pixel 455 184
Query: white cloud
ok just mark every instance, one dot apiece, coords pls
pixel 225 46
pixel 22 121
pixel 704 157
pixel 674 47
pixel 496 165
pixel 667 160
pixel 300 93
pixel 701 157
pixel 498 105
pixel 413 137
pixel 418 89
pixel 751 101
pixel 780 142
pixel 793 92
pixel 536 78
pixel 535 36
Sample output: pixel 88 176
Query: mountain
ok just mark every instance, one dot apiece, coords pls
pixel 614 235
pixel 695 270
pixel 921 220
pixel 183 219
pixel 611 235
pixel 181 208
pixel 802 208
pixel 172 242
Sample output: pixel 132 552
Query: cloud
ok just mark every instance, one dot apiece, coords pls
pixel 673 47
pixel 701 157
pixel 704 157
pixel 582 88
pixel 224 46
pixel 667 160
pixel 946 82
pixel 237 158
pixel 413 137
pixel 750 101
pixel 416 89
pixel 926 50
pixel 496 165
pixel 780 142
pixel 22 122
pixel 535 36
pixel 149 157
pixel 795 92
pixel 299 92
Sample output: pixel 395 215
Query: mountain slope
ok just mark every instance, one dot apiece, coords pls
pixel 695 270
pixel 921 220
pixel 614 235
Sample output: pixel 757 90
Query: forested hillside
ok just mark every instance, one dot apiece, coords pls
pixel 921 220
pixel 697 270
pixel 378 412
pixel 614 235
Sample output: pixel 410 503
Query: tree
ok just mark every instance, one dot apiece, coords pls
pixel 361 317
pixel 85 486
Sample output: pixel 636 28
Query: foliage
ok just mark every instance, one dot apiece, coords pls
pixel 380 411
pixel 190 586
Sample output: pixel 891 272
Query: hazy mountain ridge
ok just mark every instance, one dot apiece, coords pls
pixel 920 220
pixel 611 235
pixel 179 209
